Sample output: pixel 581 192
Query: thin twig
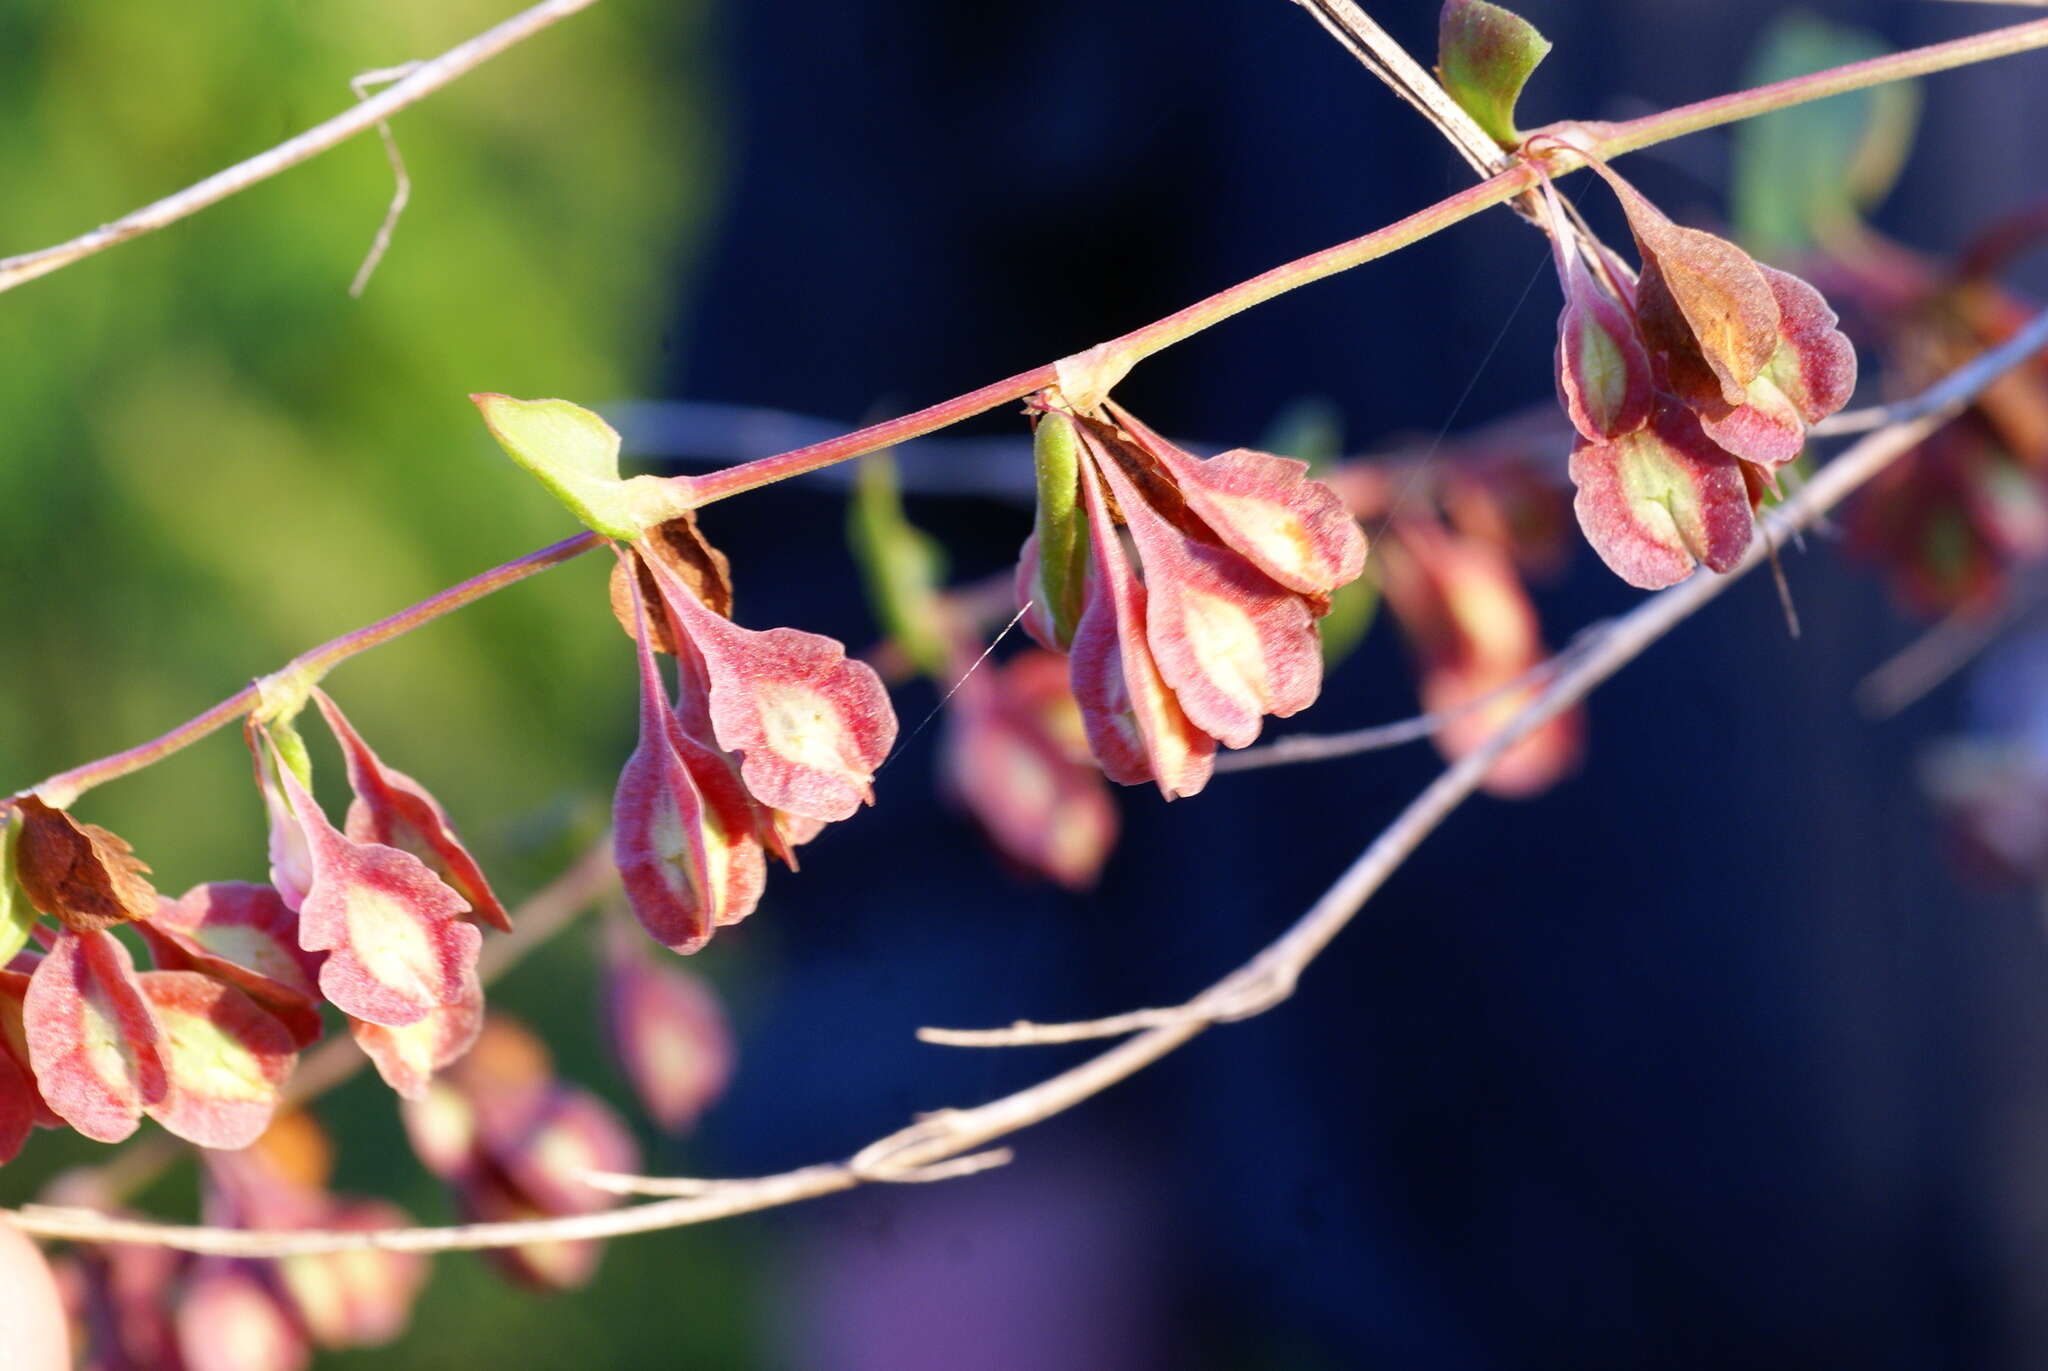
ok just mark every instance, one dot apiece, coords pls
pixel 1265 980
pixel 1615 140
pixel 1359 34
pixel 402 183
pixel 427 77
pixel 1320 747
pixel 1939 653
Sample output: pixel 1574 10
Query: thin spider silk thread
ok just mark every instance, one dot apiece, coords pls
pixel 939 708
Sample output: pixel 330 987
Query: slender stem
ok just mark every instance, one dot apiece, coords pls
pixel 1877 71
pixel 735 480
pixel 1605 140
pixel 66 786
pixel 425 79
pixel 1361 35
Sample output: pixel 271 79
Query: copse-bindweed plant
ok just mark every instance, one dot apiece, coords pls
pixel 1176 602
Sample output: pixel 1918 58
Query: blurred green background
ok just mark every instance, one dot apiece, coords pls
pixel 214 458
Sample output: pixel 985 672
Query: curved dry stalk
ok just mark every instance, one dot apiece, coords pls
pixel 1930 660
pixel 401 182
pixel 1321 747
pixel 426 78
pixel 951 1135
pixel 1361 36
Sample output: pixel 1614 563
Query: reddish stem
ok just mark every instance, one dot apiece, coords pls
pixel 1604 140
pixel 60 790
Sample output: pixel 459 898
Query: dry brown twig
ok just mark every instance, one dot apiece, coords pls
pixel 952 1141
pixel 423 80
pixel 401 183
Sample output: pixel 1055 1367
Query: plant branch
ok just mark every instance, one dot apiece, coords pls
pixel 307 668
pixel 1266 980
pixel 1402 74
pixel 425 79
pixel 1637 134
pixel 1322 747
pixel 401 191
pixel 1104 362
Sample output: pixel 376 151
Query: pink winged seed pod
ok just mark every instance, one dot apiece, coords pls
pixel 1007 757
pixel 668 1033
pixel 771 736
pixel 245 935
pixel 1690 388
pixel 1215 628
pixel 392 808
pixel 397 944
pixel 94 1045
pixel 686 834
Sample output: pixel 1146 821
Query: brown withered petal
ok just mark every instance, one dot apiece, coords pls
pixel 79 874
pixel 1656 502
pixel 1715 286
pixel 681 547
pixel 1810 376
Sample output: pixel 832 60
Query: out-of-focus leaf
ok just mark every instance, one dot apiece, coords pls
pixel 1796 170
pixel 901 566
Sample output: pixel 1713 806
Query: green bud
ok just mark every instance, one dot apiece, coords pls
pixel 1484 57
pixel 1062 551
pixel 17 915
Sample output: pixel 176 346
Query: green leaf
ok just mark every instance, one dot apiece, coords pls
pixel 576 456
pixel 1799 170
pixel 17 915
pixel 1484 57
pixel 1062 553
pixel 901 566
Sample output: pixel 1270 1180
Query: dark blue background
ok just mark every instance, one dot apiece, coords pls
pixel 1702 1060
